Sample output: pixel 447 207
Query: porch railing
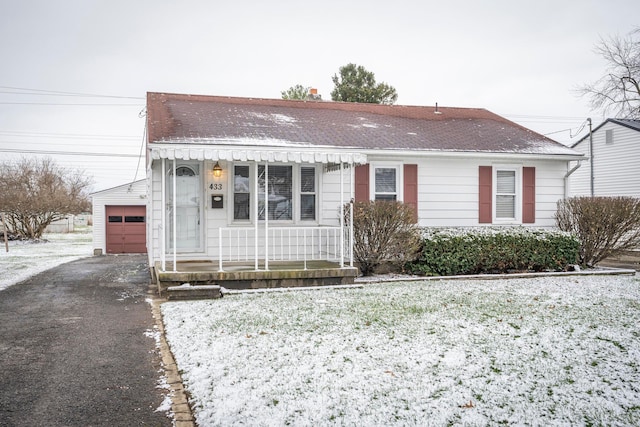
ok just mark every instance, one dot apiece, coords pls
pixel 240 244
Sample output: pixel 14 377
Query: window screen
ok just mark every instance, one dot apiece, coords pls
pixel 241 199
pixel 308 193
pixel 385 184
pixel 505 194
pixel 279 188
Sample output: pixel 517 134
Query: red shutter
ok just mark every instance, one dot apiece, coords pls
pixel 485 188
pixel 528 195
pixel 411 188
pixel 362 183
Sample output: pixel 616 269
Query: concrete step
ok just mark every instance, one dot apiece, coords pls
pixel 189 292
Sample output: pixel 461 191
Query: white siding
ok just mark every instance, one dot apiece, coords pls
pixel 616 171
pixel 134 194
pixel 448 191
pixel 447 197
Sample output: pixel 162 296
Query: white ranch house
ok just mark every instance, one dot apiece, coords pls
pixel 251 190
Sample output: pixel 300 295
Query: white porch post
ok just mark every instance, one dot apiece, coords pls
pixel 266 215
pixel 175 219
pixel 341 213
pixel 351 196
pixel 163 217
pixel 256 186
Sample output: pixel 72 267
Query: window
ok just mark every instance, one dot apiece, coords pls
pixel 291 192
pixel 386 187
pixel 115 218
pixel 608 134
pixel 308 193
pixel 505 194
pixel 241 193
pixel 133 219
pixel 278 180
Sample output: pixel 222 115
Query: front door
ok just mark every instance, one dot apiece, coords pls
pixel 187 206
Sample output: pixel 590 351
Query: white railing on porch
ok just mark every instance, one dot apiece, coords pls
pixel 239 244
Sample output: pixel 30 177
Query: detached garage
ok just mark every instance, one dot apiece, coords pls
pixel 119 219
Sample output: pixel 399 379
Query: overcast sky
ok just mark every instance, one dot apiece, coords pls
pixel 519 59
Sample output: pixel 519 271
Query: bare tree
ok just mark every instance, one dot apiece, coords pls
pixel 618 91
pixel 36 192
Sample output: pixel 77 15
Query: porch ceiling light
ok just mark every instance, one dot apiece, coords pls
pixel 217 170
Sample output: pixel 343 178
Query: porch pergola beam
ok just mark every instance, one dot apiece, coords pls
pixel 175 219
pixel 163 217
pixel 341 214
pixel 266 216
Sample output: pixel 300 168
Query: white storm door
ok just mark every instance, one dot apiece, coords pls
pixel 188 211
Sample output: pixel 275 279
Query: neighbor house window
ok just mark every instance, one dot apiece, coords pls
pixel 505 194
pixel 608 134
pixel 386 183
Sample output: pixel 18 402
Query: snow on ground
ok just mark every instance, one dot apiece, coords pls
pixel 539 351
pixel 25 259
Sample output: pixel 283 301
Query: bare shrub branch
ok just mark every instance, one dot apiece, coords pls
pixel 383 232
pixel 605 226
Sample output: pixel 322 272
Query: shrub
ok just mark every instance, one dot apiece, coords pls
pixel 446 252
pixel 383 231
pixel 605 226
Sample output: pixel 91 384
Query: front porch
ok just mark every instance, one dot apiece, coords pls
pixel 244 275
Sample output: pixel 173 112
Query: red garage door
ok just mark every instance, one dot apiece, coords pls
pixel 126 230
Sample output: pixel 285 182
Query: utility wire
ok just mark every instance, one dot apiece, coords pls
pixel 67 153
pixel 50 135
pixel 71 104
pixel 60 93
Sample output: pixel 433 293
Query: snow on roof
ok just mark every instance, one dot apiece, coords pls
pixel 184 119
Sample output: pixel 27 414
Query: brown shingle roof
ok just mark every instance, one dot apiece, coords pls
pixel 212 119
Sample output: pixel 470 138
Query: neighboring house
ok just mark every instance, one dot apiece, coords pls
pixel 615 157
pixel 119 219
pixel 212 160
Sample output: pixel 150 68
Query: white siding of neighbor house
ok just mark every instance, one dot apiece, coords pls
pixel 134 194
pixel 447 197
pixel 616 165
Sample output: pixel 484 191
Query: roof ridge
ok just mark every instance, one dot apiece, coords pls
pixel 410 111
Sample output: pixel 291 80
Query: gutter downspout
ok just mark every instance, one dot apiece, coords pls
pixel 566 178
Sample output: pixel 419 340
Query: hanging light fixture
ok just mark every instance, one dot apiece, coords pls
pixel 217 170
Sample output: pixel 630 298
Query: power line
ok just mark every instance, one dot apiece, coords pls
pixel 61 93
pixel 66 153
pixel 70 104
pixel 51 135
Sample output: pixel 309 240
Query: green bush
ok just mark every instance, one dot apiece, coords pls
pixel 446 252
pixel 605 226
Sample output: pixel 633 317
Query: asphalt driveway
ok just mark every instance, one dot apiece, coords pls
pixel 73 348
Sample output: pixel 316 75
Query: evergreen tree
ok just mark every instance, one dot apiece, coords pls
pixel 356 84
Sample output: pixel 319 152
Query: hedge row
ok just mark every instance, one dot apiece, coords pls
pixel 446 252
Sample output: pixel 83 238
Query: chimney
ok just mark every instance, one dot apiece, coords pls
pixel 313 95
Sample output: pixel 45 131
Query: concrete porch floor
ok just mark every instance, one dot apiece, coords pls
pixel 242 275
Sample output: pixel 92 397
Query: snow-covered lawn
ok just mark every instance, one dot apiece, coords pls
pixel 540 351
pixel 25 259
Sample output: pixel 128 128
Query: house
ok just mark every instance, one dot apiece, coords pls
pixel 612 169
pixel 119 219
pixel 242 186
